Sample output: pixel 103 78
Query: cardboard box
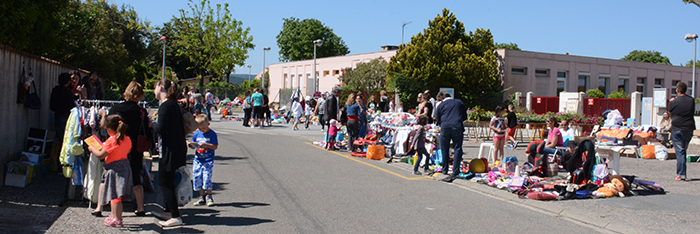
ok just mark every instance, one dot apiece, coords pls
pixel 19 174
pixel 32 157
pixel 16 180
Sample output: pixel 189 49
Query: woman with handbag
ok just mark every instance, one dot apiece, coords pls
pixel 139 131
pixel 174 150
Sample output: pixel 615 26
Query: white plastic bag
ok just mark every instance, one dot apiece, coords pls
pixel 660 152
pixel 613 118
pixel 183 185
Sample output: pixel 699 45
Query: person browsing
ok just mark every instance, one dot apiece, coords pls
pixel 205 142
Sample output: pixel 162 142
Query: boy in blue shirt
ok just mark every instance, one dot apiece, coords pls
pixel 204 140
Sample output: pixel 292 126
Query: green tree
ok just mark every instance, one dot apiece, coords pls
pixel 510 46
pixel 690 63
pixel 296 40
pixel 649 56
pixel 30 25
pixel 211 39
pixel 367 77
pixel 696 2
pixel 618 94
pixel 595 93
pixel 443 55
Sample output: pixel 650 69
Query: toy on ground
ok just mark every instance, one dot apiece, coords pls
pixel 617 186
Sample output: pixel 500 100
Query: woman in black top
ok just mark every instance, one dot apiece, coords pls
pixel 174 150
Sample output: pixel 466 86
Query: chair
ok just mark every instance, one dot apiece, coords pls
pixel 491 149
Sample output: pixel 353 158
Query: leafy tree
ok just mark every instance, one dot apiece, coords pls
pixel 696 2
pixel 212 40
pixel 595 93
pixel 618 94
pixel 366 76
pixel 296 40
pixel 690 63
pixel 30 25
pixel 510 46
pixel 443 55
pixel 649 56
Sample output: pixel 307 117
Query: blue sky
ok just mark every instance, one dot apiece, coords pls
pixel 606 29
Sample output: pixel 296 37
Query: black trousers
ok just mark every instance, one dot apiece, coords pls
pixel 353 127
pixel 246 116
pixel 166 182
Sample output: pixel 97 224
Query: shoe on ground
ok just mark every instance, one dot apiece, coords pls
pixel 448 179
pixel 113 222
pixel 161 216
pixel 200 202
pixel 515 144
pixel 427 171
pixel 210 200
pixel 417 173
pixel 171 223
pixel 323 130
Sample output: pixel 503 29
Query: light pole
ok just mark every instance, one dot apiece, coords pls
pixel 163 39
pixel 403 26
pixel 263 72
pixel 690 38
pixel 318 42
pixel 249 76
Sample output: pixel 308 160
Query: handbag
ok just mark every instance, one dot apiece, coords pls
pixel 32 100
pixel 143 144
pixel 189 124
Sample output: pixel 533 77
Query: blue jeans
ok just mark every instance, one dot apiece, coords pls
pixel 199 107
pixel 456 135
pixel 681 139
pixel 549 151
pixel 422 152
pixel 59 124
pixel 208 110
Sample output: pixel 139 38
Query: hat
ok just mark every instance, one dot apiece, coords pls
pixel 307 98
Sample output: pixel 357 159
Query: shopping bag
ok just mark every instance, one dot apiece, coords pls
pixel 648 152
pixel 183 185
pixel 375 152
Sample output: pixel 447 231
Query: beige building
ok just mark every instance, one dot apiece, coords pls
pixel 548 74
pixel 299 74
pixel 544 74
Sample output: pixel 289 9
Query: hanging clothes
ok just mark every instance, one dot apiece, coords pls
pixel 93 178
pixel 71 140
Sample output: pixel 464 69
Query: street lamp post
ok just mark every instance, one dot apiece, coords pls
pixel 249 75
pixel 163 39
pixel 318 42
pixel 263 72
pixel 693 38
pixel 402 27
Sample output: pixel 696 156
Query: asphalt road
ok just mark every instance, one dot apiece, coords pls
pixel 271 180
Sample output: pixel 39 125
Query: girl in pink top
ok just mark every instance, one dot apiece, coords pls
pixel 498 128
pixel 332 132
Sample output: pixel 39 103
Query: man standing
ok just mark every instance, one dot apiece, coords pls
pixel 332 108
pixel 62 101
pixel 210 103
pixel 681 110
pixel 92 87
pixel 450 116
pixel 257 99
pixel 321 110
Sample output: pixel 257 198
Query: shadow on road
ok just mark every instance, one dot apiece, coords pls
pixel 156 228
pixel 225 158
pixel 243 204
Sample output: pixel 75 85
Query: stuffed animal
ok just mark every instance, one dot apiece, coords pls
pixel 617 186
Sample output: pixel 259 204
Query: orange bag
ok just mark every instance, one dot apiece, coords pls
pixel 648 152
pixel 375 152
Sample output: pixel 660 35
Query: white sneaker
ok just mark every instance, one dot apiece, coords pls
pixel 252 126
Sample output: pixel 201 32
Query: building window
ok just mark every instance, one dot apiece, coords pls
pixel 658 83
pixel 623 83
pixel 542 72
pixel 284 85
pixel 294 81
pixel 326 73
pixel 583 82
pixel 299 76
pixel 561 82
pixel 308 75
pixel 603 84
pixel 640 84
pixel 336 72
pixel 518 71
pixel 674 83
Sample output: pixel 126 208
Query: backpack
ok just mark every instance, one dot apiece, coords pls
pixel 540 164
